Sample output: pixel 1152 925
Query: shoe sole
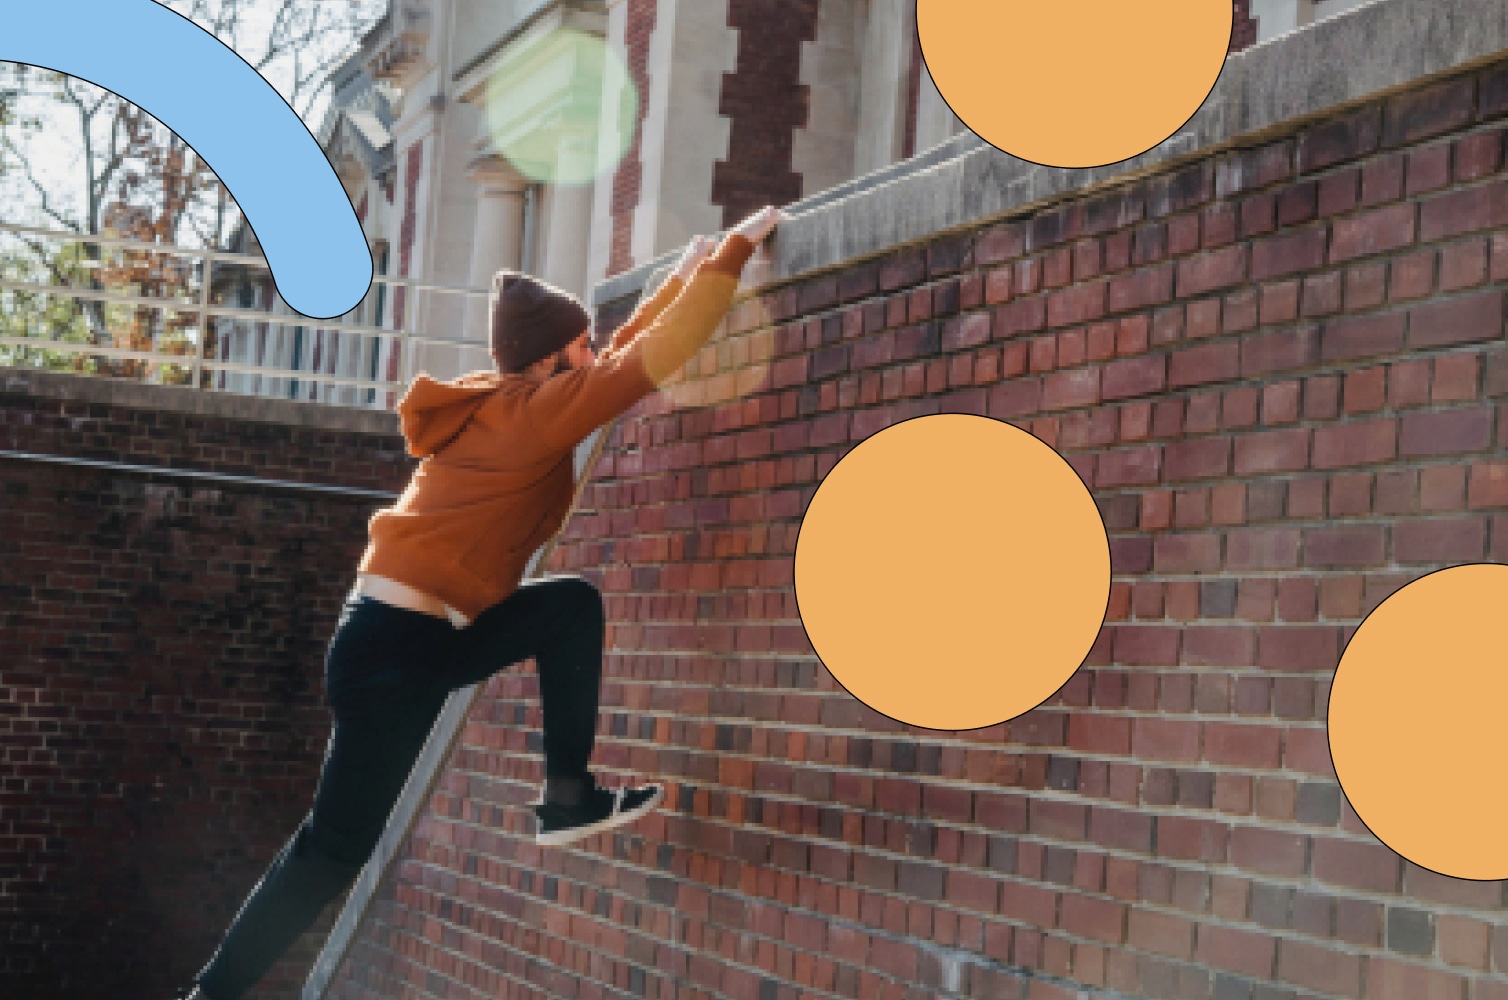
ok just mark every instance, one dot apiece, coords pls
pixel 576 833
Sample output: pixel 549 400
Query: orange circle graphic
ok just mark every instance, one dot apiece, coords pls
pixel 1074 83
pixel 1416 722
pixel 952 571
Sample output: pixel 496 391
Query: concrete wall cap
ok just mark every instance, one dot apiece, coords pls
pixel 1264 91
pixel 182 399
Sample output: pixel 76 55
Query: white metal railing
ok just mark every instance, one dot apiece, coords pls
pixel 28 327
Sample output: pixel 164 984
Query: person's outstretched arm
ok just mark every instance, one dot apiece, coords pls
pixel 568 407
pixel 648 310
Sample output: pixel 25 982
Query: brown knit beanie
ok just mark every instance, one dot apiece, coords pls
pixel 532 319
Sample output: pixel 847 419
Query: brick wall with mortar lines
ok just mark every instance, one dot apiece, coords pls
pixel 1282 373
pixel 161 682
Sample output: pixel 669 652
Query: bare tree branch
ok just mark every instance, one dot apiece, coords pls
pixel 104 96
pixel 299 43
pixel 48 258
pixel 275 44
pixel 25 163
pixel 322 74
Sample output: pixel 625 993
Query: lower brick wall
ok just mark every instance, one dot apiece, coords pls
pixel 1282 373
pixel 161 677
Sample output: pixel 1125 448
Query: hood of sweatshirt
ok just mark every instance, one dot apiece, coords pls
pixel 432 412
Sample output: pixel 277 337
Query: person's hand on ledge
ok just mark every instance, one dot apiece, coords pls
pixel 696 251
pixel 759 225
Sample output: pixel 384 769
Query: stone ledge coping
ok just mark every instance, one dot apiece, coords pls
pixel 200 402
pixel 1317 70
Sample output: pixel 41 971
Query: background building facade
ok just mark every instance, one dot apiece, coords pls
pixel 578 139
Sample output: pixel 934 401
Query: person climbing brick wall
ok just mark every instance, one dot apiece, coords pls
pixel 1281 372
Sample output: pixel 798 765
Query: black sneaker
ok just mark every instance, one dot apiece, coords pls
pixel 602 809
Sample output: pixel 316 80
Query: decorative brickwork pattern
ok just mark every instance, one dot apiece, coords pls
pixel 764 101
pixel 1243 27
pixel 407 231
pixel 1282 373
pixel 161 683
pixel 628 179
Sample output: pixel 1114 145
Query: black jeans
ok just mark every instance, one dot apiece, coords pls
pixel 388 672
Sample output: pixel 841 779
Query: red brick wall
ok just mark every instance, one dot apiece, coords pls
pixel 764 101
pixel 1243 26
pixel 628 178
pixel 1282 373
pixel 161 683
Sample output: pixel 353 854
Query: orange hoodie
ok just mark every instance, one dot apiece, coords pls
pixel 496 478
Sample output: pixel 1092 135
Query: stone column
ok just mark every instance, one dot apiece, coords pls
pixel 498 236
pixel 832 68
pixel 884 86
pixel 567 228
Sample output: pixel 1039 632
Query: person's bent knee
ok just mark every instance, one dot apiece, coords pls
pixel 584 594
pixel 581 588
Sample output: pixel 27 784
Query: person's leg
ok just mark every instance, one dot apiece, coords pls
pixel 559 622
pixel 380 672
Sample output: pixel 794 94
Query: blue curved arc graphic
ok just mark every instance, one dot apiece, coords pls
pixel 233 118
